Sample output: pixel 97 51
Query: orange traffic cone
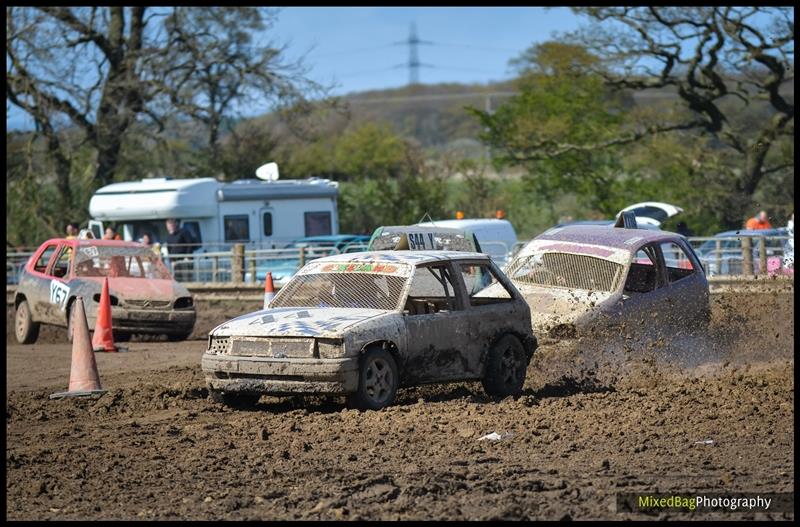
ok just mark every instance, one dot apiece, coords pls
pixel 83 377
pixel 269 291
pixel 103 339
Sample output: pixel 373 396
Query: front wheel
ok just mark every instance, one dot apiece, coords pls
pixel 506 367
pixel 26 330
pixel 378 380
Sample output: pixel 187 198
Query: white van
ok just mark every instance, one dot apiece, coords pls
pixel 259 214
pixel 497 237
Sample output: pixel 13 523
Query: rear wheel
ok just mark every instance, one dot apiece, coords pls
pixel 234 400
pixel 26 330
pixel 378 381
pixel 506 367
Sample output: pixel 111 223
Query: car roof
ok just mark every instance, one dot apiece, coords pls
pixel 94 241
pixel 615 237
pixel 416 227
pixel 408 257
pixel 331 237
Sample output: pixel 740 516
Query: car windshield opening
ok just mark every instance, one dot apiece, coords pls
pixel 342 290
pixel 567 270
pixel 119 262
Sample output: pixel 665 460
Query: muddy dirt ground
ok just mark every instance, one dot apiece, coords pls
pixel 597 417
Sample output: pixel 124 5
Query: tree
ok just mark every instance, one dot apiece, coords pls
pixel 559 102
pixel 102 70
pixel 720 62
pixel 213 67
pixel 384 178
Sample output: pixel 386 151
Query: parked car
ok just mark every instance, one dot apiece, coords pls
pixel 497 237
pixel 578 278
pixel 144 297
pixel 729 260
pixel 649 215
pixel 652 214
pixel 283 269
pixel 364 324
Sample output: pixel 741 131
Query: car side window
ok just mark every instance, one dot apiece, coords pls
pixel 677 262
pixel 431 291
pixel 643 272
pixel 482 285
pixel 41 263
pixel 61 267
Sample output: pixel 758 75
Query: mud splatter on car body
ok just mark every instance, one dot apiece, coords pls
pixel 145 298
pixel 582 277
pixel 425 309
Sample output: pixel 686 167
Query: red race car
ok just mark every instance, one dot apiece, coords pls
pixel 145 299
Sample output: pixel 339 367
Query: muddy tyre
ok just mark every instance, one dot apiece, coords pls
pixel 26 330
pixel 234 400
pixel 378 380
pixel 506 367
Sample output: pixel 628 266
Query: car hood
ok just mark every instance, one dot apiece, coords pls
pixel 297 322
pixel 551 307
pixel 141 288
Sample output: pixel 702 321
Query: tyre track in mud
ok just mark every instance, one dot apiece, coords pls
pixel 594 420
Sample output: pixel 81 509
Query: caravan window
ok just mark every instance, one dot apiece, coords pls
pixel 237 228
pixel 318 223
pixel 267 224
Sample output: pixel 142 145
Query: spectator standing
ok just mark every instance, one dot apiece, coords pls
pixel 178 242
pixel 759 222
pixel 148 241
pixel 72 231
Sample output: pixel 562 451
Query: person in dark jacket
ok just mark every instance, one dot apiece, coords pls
pixel 178 242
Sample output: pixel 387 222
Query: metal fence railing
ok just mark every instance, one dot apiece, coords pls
pixel 752 255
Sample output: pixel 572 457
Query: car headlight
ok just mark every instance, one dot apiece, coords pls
pixel 184 302
pixel 330 348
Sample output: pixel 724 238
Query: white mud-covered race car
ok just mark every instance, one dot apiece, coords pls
pixel 364 324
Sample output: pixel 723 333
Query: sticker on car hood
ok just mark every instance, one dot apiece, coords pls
pixel 303 322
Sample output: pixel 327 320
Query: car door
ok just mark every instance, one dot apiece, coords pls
pixel 645 291
pixel 493 308
pixel 59 289
pixel 437 328
pixel 688 299
pixel 35 283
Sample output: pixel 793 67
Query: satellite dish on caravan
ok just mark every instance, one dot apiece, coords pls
pixel 268 172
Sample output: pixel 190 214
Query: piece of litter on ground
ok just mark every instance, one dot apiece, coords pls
pixel 704 442
pixel 494 436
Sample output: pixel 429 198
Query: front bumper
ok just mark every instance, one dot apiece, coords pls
pixel 151 321
pixel 231 373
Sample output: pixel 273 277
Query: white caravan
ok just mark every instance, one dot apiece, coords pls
pixel 260 214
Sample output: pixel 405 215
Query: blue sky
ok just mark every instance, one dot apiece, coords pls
pixel 354 48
